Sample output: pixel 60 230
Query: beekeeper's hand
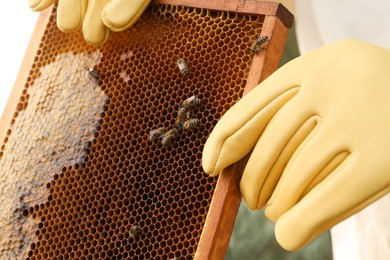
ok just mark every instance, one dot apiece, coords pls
pixel 96 18
pixel 318 131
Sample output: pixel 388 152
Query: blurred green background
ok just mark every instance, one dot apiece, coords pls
pixel 253 235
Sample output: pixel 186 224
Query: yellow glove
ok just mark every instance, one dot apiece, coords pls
pixel 94 17
pixel 119 15
pixel 318 131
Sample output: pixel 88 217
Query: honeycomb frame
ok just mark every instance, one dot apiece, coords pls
pixel 58 209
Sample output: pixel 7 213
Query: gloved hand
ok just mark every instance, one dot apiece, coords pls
pixel 318 131
pixel 95 17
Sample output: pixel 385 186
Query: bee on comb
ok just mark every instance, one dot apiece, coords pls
pixel 192 102
pixel 135 231
pixel 182 64
pixel 169 137
pixel 93 74
pixel 258 44
pixel 182 116
pixel 191 124
pixel 155 134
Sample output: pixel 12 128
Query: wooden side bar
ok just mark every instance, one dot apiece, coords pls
pixel 222 214
pixel 23 73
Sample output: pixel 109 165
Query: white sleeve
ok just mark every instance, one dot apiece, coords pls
pixel 365 235
pixel 320 22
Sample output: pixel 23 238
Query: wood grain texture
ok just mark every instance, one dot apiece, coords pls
pixel 222 214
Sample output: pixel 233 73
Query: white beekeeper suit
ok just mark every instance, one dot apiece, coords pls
pixel 365 235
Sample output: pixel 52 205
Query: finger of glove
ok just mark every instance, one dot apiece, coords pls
pixel 316 158
pixel 70 14
pixel 40 5
pixel 119 15
pixel 285 132
pixel 94 30
pixel 344 193
pixel 239 129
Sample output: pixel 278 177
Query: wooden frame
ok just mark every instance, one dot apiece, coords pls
pixel 226 200
pixel 227 197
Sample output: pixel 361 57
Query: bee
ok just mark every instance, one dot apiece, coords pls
pixel 182 115
pixel 258 44
pixel 192 102
pixel 93 74
pixel 182 66
pixel 191 124
pixel 135 231
pixel 157 133
pixel 169 137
